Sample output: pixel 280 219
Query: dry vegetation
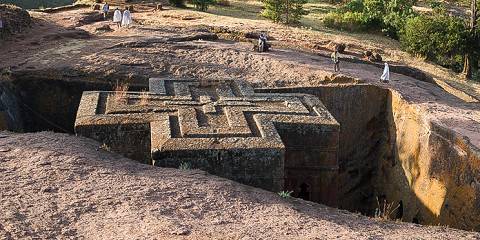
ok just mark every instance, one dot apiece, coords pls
pixel 120 92
pixel 143 98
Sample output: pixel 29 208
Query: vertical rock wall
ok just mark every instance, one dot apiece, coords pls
pixel 391 151
pixel 433 172
pixel 361 112
pixel 10 114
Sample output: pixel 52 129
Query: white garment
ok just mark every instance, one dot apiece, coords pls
pixel 127 18
pixel 386 73
pixel 117 16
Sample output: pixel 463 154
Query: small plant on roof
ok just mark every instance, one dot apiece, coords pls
pixel 120 90
pixel 285 194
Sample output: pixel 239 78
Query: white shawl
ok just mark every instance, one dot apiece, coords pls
pixel 386 73
pixel 127 18
pixel 117 16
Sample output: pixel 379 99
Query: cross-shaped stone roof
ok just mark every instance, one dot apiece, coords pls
pixel 225 128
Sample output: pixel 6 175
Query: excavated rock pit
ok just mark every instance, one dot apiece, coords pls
pixel 391 153
pixel 388 153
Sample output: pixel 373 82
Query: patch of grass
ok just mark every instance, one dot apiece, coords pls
pixel 105 147
pixel 185 166
pixel 385 210
pixel 285 194
pixel 238 9
pixel 120 90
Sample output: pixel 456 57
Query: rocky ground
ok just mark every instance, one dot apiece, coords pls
pixel 67 193
pixel 72 189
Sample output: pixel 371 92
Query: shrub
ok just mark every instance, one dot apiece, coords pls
pixel 273 10
pixel 397 13
pixel 350 21
pixel 202 5
pixel 440 38
pixel 177 3
pixel 284 11
pixel 373 12
pixel 388 16
pixel 353 6
pixel 285 194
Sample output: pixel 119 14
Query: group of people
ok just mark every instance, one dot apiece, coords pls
pixel 336 66
pixel 125 19
pixel 120 19
pixel 263 46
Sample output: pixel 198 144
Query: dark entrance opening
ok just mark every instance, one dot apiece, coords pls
pixel 304 192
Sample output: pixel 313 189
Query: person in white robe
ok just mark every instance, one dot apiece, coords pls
pixel 117 17
pixel 386 73
pixel 127 18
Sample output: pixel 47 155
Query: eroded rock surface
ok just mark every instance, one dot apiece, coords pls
pixel 60 186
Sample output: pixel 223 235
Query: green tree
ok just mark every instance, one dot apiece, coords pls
pixel 470 64
pixel 396 14
pixel 284 11
pixel 440 38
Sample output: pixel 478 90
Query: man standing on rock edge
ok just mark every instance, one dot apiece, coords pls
pixel 336 61
pixel 105 10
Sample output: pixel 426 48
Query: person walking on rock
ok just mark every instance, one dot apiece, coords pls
pixel 117 17
pixel 386 73
pixel 336 61
pixel 127 18
pixel 105 10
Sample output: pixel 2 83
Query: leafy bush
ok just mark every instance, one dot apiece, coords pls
pixel 273 10
pixel 284 11
pixel 202 5
pixel 387 16
pixel 373 11
pixel 440 38
pixel 353 6
pixel 349 21
pixel 177 3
